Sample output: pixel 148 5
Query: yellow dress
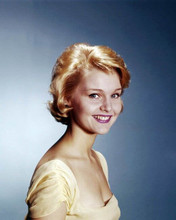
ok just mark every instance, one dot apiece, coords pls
pixel 54 182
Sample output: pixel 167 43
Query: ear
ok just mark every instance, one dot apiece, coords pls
pixel 67 102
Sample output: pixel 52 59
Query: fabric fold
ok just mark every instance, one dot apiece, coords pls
pixel 52 184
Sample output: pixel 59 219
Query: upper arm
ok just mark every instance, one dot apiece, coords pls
pixel 51 194
pixel 59 214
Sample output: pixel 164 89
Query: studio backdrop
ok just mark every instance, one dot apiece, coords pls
pixel 140 147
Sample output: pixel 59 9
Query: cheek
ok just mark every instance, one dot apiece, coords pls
pixel 121 107
pixel 79 108
pixel 118 107
pixel 86 106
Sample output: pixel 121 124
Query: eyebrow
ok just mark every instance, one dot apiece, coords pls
pixel 102 90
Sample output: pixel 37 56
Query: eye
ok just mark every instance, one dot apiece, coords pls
pixel 94 96
pixel 116 96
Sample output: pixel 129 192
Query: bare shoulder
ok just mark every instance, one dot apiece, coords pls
pixel 55 152
pixel 60 214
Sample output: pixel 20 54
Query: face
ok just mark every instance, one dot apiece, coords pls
pixel 96 101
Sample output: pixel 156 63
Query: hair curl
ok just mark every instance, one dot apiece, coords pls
pixel 68 71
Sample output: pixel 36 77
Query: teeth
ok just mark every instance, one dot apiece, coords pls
pixel 104 118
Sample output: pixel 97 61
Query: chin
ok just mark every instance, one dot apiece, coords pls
pixel 103 131
pixel 97 131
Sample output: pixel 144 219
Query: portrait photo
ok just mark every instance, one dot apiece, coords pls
pixel 87 109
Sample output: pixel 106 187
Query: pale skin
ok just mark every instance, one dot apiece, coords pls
pixel 96 107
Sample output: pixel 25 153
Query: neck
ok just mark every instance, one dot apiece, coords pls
pixel 79 141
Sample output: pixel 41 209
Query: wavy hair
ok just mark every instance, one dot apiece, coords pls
pixel 68 71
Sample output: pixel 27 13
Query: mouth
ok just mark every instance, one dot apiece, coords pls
pixel 102 118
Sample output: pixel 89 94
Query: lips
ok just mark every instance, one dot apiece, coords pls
pixel 102 118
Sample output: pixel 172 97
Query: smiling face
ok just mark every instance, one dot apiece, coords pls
pixel 96 101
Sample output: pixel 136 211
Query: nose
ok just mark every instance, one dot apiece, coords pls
pixel 106 105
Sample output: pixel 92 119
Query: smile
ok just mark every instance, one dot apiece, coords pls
pixel 102 118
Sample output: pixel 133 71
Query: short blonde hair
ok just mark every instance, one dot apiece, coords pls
pixel 68 71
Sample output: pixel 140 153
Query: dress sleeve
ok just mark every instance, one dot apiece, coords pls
pixel 51 185
pixel 103 163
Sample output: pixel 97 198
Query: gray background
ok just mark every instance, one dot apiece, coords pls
pixel 140 146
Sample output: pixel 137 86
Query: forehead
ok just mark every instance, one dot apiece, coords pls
pixel 98 79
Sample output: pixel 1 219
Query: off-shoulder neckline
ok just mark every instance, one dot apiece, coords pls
pixel 61 161
pixel 71 172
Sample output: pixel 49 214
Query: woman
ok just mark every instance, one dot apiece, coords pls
pixel 71 180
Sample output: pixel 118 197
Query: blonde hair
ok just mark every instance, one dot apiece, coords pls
pixel 68 71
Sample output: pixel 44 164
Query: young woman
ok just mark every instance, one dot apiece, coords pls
pixel 71 180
